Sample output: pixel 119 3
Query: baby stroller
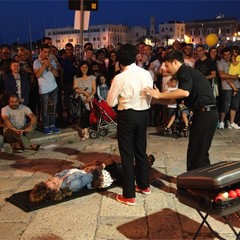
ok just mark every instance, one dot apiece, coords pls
pixel 101 117
pixel 179 127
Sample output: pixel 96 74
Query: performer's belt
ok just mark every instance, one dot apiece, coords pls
pixel 207 108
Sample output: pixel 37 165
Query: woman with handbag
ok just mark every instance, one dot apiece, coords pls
pixel 84 84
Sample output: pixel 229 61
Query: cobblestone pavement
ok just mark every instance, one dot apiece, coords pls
pixel 98 215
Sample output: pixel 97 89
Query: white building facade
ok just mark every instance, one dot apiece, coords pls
pixel 99 35
pixel 170 31
pixel 227 29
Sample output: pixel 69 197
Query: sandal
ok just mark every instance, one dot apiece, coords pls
pixel 18 150
pixel 85 137
pixel 80 132
pixel 35 147
pixel 17 147
pixel 151 160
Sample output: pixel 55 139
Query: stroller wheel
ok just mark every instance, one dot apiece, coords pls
pixel 94 134
pixel 103 132
pixel 186 134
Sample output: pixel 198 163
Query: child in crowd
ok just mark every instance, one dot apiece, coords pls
pixel 171 108
pixel 102 88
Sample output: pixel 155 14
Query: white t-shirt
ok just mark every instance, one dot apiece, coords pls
pixel 16 116
pixel 170 89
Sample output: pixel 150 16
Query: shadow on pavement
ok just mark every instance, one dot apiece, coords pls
pixel 165 224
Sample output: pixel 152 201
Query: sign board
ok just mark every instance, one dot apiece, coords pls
pixel 89 5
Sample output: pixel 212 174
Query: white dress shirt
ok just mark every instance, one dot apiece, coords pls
pixel 127 89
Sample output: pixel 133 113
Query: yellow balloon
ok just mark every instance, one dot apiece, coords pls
pixel 211 39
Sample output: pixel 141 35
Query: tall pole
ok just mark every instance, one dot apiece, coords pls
pixel 81 28
pixel 30 35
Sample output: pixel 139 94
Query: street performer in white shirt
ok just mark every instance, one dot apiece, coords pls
pixel 127 91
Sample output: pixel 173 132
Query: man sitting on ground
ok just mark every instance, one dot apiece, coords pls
pixel 17 129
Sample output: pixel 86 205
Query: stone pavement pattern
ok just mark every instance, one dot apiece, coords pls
pixel 99 216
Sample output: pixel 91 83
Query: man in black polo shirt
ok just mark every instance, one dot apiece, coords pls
pixel 205 64
pixel 197 94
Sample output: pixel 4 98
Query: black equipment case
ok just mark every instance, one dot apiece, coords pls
pixel 198 189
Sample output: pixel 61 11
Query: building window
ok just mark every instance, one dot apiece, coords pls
pixel 210 30
pixel 162 29
pixel 94 39
pixel 98 38
pixel 219 31
pixel 58 41
pixel 227 31
pixel 170 29
pixel 86 39
pixel 70 40
pixel 104 38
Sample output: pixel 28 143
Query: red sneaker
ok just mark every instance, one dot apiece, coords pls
pixel 144 191
pixel 127 201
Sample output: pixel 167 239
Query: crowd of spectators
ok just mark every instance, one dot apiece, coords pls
pixel 44 84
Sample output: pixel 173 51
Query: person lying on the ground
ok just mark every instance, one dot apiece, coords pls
pixel 64 183
pixel 92 175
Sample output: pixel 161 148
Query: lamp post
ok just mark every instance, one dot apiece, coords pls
pixel 81 28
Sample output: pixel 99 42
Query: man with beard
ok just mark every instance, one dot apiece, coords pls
pixel 205 64
pixel 189 60
pixel 17 130
pixel 197 94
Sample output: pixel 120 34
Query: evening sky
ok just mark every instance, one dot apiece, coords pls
pixel 22 19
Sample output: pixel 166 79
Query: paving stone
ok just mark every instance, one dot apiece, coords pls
pixel 158 216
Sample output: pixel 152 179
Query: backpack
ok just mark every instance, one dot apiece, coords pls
pixel 77 106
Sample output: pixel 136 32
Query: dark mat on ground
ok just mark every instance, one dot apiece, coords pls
pixel 22 201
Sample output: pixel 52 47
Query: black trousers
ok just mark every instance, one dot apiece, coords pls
pixel 132 143
pixel 202 131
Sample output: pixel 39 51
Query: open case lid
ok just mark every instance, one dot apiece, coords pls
pixel 217 175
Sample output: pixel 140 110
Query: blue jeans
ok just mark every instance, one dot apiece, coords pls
pixel 49 119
